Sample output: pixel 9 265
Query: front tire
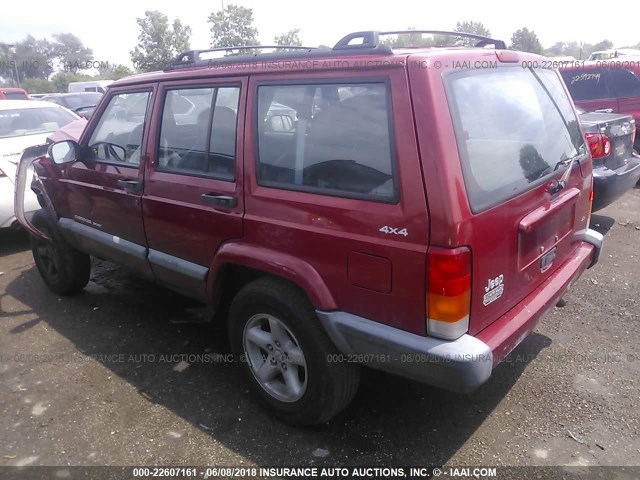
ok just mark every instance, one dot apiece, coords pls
pixel 64 270
pixel 286 353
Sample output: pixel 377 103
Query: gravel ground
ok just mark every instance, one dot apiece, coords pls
pixel 100 379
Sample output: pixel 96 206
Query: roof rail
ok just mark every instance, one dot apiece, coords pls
pixel 371 39
pixel 192 58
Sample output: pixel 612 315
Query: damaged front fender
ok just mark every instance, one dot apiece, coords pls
pixel 29 156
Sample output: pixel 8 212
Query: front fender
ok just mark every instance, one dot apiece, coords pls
pixel 276 263
pixel 29 156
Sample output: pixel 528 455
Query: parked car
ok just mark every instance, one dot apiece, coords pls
pixel 616 168
pixel 613 53
pixel 38 96
pixel 7 93
pixel 23 124
pixel 416 220
pixel 611 86
pixel 83 104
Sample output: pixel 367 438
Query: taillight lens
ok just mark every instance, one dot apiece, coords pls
pixel 449 292
pixel 599 144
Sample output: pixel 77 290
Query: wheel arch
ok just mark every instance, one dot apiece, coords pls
pixel 237 264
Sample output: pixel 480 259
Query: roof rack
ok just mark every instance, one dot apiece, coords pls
pixel 369 44
pixel 193 58
pixel 370 39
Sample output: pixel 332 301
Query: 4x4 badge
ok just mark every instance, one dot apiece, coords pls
pixel 394 231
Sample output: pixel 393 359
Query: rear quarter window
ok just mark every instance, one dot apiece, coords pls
pixel 625 83
pixel 330 139
pixel 513 126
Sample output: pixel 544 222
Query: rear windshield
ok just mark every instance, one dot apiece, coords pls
pixel 513 127
pixel 15 96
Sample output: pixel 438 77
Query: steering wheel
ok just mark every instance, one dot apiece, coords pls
pixel 110 151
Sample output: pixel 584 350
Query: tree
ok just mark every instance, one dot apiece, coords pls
pixel 30 58
pixel 159 43
pixel 476 28
pixel 409 40
pixel 603 45
pixel 526 40
pixel 113 71
pixel 290 38
pixel 232 27
pixel 70 52
pixel 37 85
pixel 120 71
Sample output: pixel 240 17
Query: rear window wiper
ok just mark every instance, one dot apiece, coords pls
pixel 561 163
pixel 565 176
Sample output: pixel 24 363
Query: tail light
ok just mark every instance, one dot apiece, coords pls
pixel 599 144
pixel 449 292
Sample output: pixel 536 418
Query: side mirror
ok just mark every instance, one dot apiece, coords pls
pixel 64 152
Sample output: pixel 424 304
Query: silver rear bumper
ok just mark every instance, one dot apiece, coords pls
pixel 594 238
pixel 461 365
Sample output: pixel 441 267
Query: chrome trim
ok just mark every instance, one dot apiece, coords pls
pixel 460 365
pixel 592 237
pixel 178 265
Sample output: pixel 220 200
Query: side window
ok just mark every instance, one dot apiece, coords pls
pixel 198 132
pixel 587 84
pixel 625 83
pixel 118 135
pixel 330 139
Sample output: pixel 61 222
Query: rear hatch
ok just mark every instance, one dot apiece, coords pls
pixel 518 136
pixel 619 129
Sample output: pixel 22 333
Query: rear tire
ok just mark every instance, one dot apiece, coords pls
pixel 63 269
pixel 286 354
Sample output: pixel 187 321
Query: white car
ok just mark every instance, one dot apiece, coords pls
pixel 24 123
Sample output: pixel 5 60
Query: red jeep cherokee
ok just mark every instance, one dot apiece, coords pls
pixel 416 211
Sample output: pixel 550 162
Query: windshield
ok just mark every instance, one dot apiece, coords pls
pixel 514 127
pixel 31 121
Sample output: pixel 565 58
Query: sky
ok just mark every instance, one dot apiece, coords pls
pixel 110 27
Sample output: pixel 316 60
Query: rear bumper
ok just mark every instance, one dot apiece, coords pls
pixel 506 333
pixel 609 185
pixel 461 365
pixel 464 364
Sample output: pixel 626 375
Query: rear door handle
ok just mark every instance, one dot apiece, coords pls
pixel 134 186
pixel 220 200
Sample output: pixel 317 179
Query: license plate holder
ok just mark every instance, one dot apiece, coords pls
pixel 547 259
